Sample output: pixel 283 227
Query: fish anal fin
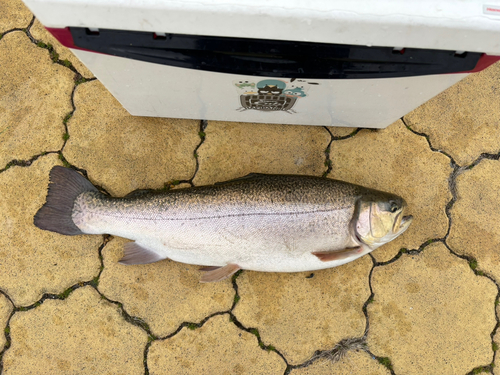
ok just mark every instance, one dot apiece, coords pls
pixel 328 256
pixel 133 253
pixel 220 273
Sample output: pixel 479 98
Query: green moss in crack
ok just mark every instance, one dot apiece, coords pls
pixel 7 330
pixel 236 299
pixel 64 161
pixel 95 282
pixel 270 348
pixel 479 370
pixel 255 331
pixel 66 63
pixel 41 45
pixel 192 326
pixel 428 242
pixel 494 346
pixel 65 294
pixel 385 361
pixel 473 264
pixel 79 80
pixel 65 136
pixel 67 117
pixel 202 135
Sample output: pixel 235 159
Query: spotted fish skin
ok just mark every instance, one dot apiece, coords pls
pixel 269 223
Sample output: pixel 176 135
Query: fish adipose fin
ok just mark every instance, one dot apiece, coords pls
pixel 55 215
pixel 327 256
pixel 134 253
pixel 220 273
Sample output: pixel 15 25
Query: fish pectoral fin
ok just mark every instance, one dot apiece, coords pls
pixel 219 273
pixel 133 253
pixel 327 256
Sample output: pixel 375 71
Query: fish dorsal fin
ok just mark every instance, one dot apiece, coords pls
pixel 220 273
pixel 249 176
pixel 327 256
pixel 133 253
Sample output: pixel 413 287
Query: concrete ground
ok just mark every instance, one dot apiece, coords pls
pixel 427 303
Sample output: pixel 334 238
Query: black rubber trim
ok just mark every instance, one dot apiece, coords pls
pixel 273 58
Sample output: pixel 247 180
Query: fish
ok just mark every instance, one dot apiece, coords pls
pixel 259 222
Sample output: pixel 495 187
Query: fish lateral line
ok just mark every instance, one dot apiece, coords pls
pixel 221 216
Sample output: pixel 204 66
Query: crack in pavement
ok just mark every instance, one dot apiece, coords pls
pixel 328 160
pixel 457 170
pixel 78 80
pixel 202 135
pixel 94 283
pixel 54 56
pixel 26 163
pixel 23 29
pixel 232 319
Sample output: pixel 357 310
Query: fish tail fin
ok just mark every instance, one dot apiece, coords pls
pixel 55 215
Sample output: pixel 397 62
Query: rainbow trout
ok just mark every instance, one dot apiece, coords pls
pixel 272 223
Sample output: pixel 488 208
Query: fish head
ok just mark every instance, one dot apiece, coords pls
pixel 380 218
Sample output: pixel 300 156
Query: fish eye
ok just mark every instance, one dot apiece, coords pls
pixel 394 207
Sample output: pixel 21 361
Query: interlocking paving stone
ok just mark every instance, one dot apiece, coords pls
pixel 164 294
pixel 83 334
pixel 463 120
pixel 299 315
pixel 431 314
pixel 219 347
pixel 398 161
pixel 39 33
pixel 355 362
pixel 34 98
pixel 123 152
pixel 233 150
pixel 476 214
pixel 35 261
pixel 14 14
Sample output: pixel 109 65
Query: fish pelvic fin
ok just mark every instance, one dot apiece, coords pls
pixel 220 273
pixel 327 256
pixel 65 186
pixel 133 253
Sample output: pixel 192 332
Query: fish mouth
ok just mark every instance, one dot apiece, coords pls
pixel 403 223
